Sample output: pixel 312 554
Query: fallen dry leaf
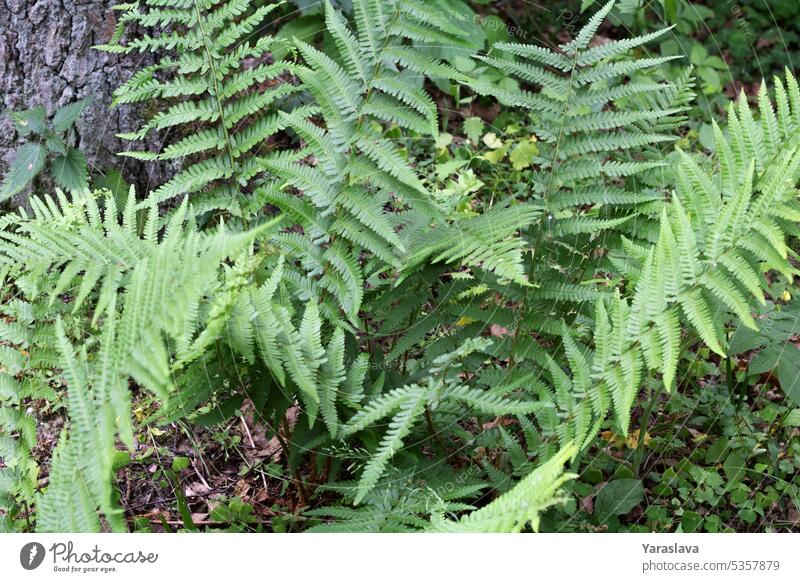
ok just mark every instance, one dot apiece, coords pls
pixel 196 489
pixel 499 331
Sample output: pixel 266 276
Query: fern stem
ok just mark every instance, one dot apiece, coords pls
pixel 376 69
pixel 644 425
pixel 213 71
pixel 562 123
pixel 298 478
pixel 27 515
pixel 432 429
pixel 517 330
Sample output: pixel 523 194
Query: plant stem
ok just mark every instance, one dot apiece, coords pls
pixel 729 374
pixel 27 515
pixel 648 410
pixel 432 429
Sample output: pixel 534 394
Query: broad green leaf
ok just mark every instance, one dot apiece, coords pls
pixel 447 168
pixel 66 116
pixel 735 466
pixel 792 418
pixel 70 170
pixel 690 521
pixel 30 121
pixel 492 141
pixel 618 497
pixel 788 372
pixel 115 183
pixel 28 162
pixel 180 463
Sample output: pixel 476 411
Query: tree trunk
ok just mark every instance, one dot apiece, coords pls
pixel 46 58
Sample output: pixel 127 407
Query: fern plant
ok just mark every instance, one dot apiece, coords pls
pixel 407 406
pixel 20 471
pixel 606 354
pixel 332 284
pixel 586 183
pixel 144 291
pixel 601 134
pixel 408 505
pixel 589 139
pixel 216 86
pixel 722 230
pixel 522 505
pixel 359 190
pixel 490 252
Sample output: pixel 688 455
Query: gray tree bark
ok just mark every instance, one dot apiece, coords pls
pixel 46 59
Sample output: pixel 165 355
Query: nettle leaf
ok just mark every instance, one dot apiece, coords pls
pixel 55 144
pixel 70 170
pixel 28 162
pixel 31 121
pixel 66 116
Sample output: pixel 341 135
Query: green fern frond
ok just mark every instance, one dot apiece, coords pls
pixel 213 41
pixel 522 505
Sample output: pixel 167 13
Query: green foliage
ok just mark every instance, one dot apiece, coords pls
pixel 144 328
pixel 770 349
pixel 720 233
pixel 591 123
pixel 407 405
pixel 53 138
pixel 420 352
pixel 515 509
pixel 215 86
